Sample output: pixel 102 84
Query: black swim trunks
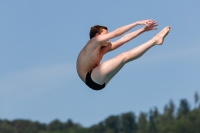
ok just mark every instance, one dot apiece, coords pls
pixel 90 83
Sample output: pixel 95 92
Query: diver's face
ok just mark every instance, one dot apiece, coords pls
pixel 104 31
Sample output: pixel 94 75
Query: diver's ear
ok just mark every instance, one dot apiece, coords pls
pixel 97 34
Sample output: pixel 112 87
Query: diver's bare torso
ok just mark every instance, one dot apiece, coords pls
pixel 90 57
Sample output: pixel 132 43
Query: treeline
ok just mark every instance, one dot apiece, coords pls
pixel 181 119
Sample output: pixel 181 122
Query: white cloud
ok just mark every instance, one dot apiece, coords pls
pixel 35 80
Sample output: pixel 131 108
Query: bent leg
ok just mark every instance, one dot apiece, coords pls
pixel 108 69
pixel 105 71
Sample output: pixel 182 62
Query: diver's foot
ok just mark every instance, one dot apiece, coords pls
pixel 159 38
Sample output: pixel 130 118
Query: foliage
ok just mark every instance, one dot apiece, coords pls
pixel 173 120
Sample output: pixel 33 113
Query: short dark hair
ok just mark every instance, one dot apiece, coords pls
pixel 96 29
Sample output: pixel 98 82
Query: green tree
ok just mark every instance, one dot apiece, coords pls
pixel 129 124
pixel 169 112
pixel 55 125
pixel 100 128
pixel 70 124
pixel 26 126
pixel 156 112
pixel 142 122
pixel 184 108
pixel 113 123
pixel 196 98
pixel 6 127
pixel 152 125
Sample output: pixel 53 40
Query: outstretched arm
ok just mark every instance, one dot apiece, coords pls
pixel 149 25
pixel 118 31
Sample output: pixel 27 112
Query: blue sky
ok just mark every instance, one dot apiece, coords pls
pixel 40 41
